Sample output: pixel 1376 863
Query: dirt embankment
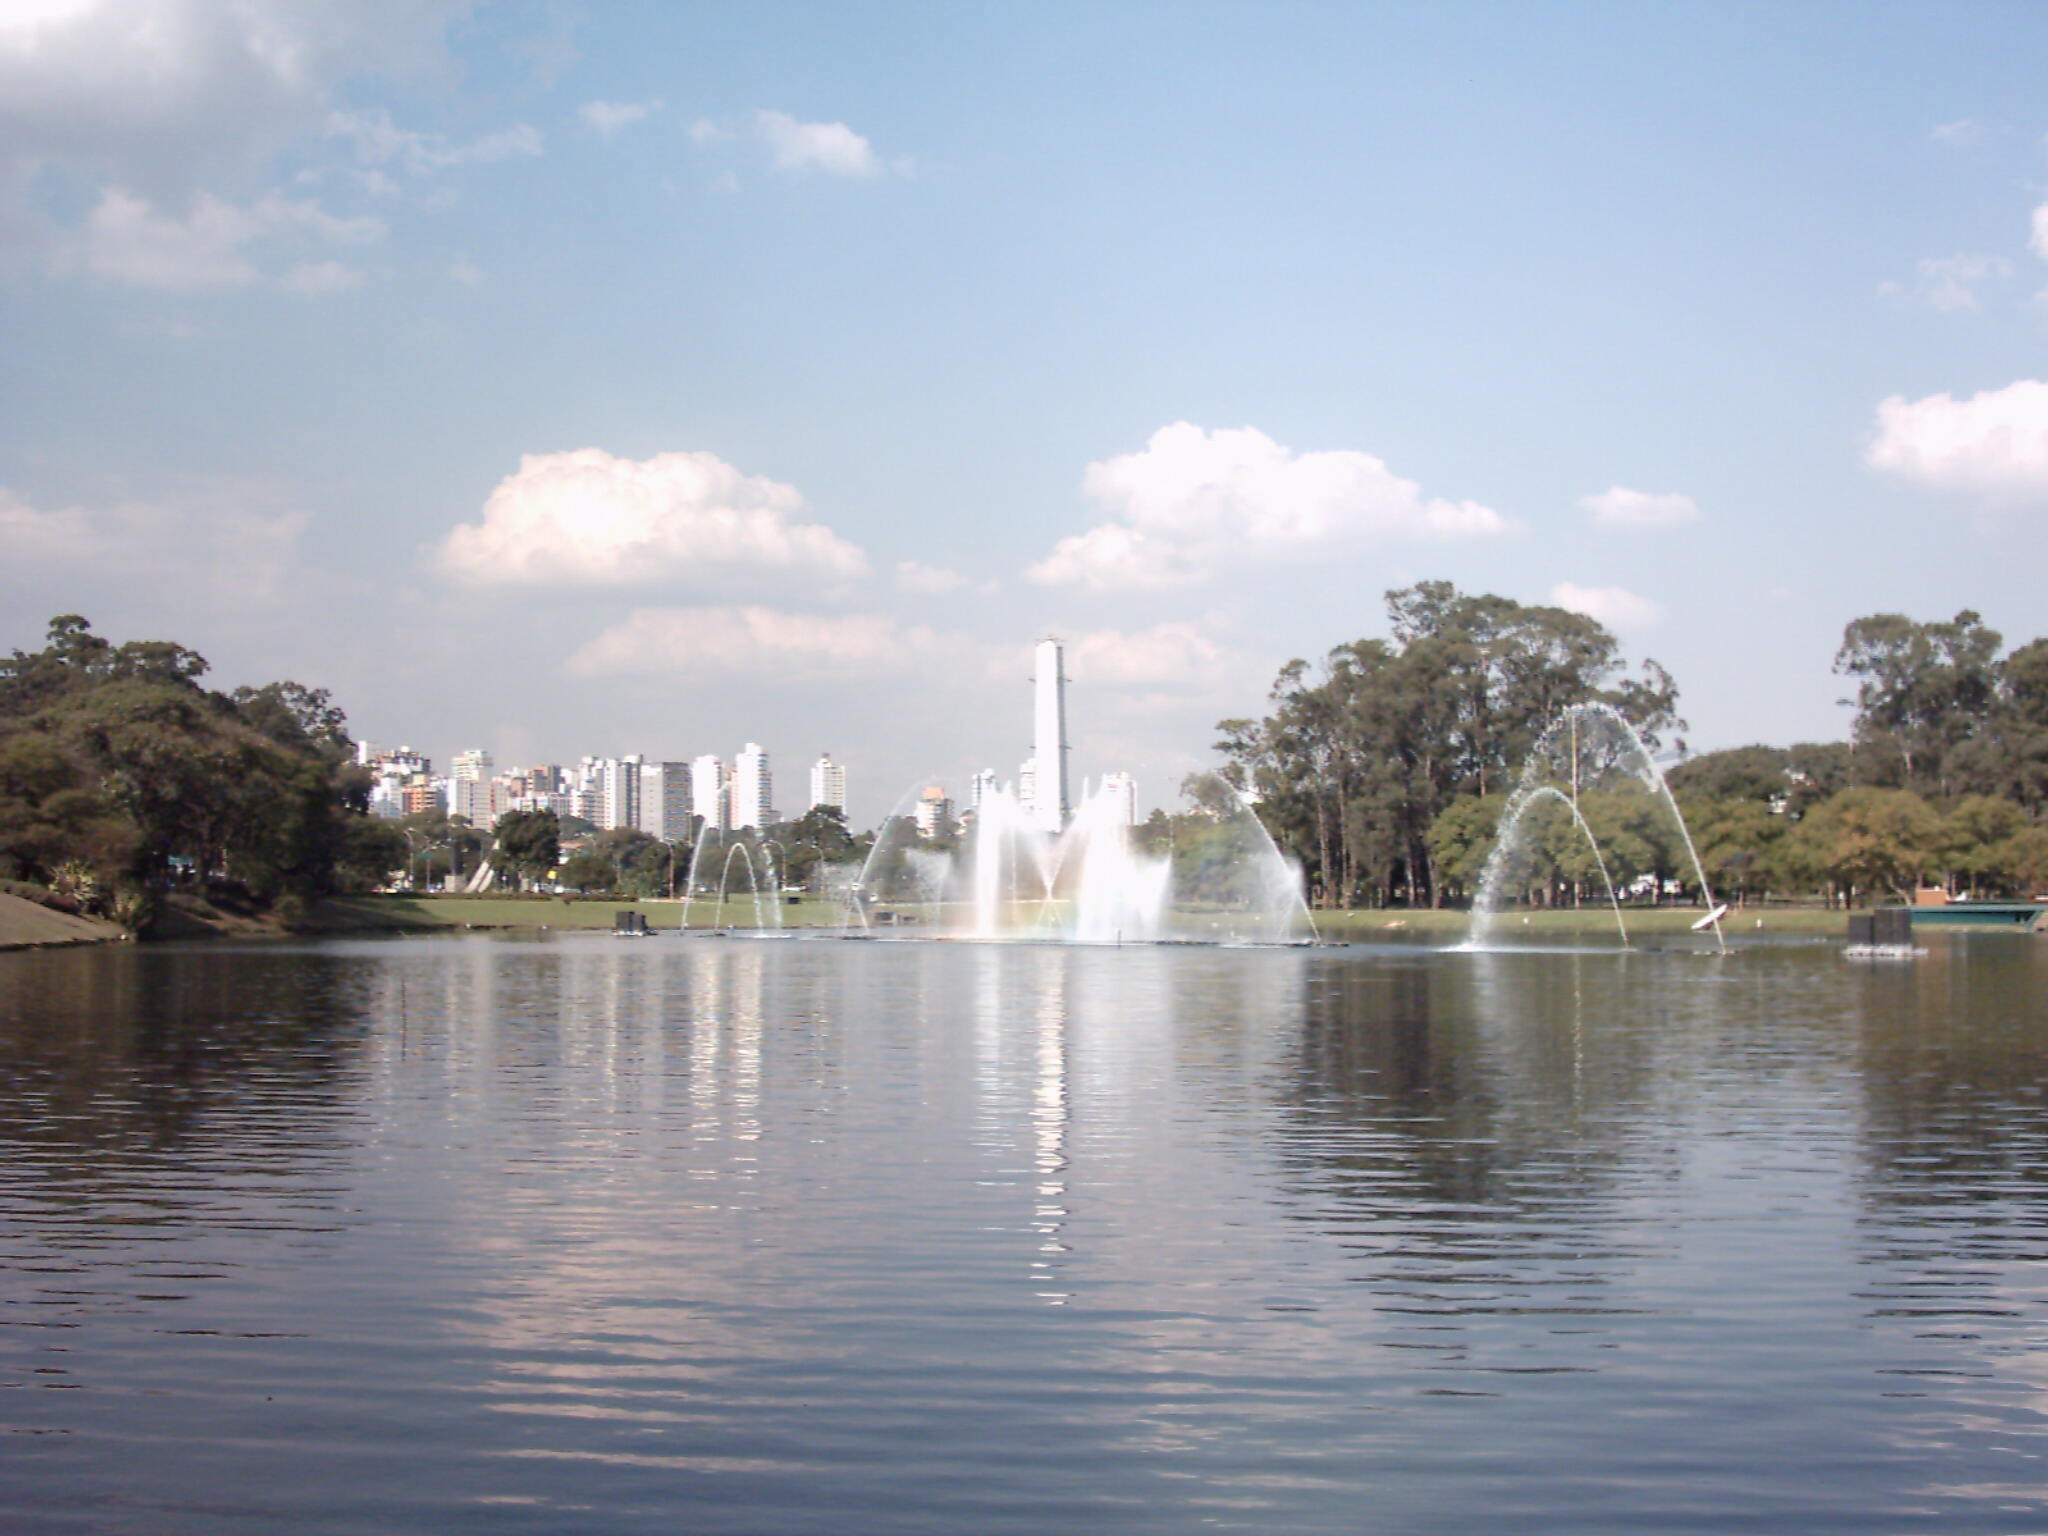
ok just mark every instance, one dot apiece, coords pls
pixel 25 924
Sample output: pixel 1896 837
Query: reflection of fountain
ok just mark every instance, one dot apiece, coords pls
pixel 1571 726
pixel 1221 879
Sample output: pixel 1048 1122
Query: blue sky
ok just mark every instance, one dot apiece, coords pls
pixel 612 378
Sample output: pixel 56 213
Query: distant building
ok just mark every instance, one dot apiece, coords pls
pixel 983 788
pixel 934 812
pixel 1122 789
pixel 425 796
pixel 828 783
pixel 665 800
pixel 753 789
pixel 473 764
pixel 708 797
pixel 618 791
pixel 1027 788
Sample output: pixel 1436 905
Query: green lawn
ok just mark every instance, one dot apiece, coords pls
pixel 386 913
pixel 383 913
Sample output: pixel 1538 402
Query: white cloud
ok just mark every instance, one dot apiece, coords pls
pixel 1172 653
pixel 1964 130
pixel 1193 502
pixel 379 141
pixel 830 147
pixel 589 518
pixel 769 642
pixel 916 576
pixel 607 118
pixel 465 271
pixel 1620 507
pixel 707 131
pixel 2037 232
pixel 212 547
pixel 1616 607
pixel 161 96
pixel 126 240
pixel 1994 445
pixel 1949 283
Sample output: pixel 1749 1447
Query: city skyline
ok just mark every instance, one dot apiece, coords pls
pixel 539 380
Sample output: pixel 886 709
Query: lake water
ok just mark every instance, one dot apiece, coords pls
pixel 575 1235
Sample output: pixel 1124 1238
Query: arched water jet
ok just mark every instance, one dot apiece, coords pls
pixel 739 850
pixel 860 892
pixel 1496 861
pixel 1528 780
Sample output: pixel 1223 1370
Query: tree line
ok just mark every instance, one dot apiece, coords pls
pixel 1385 769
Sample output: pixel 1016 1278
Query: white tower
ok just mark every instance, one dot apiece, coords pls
pixel 1049 738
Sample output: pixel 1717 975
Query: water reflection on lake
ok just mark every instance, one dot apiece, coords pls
pixel 720 1236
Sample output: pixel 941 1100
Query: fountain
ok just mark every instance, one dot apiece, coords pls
pixel 1614 738
pixel 1091 883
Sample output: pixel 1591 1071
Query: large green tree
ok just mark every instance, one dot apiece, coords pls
pixel 1354 762
pixel 116 758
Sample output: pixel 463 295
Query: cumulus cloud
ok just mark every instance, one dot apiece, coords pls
pixel 1964 130
pixel 916 576
pixel 2037 232
pixel 212 245
pixel 1993 445
pixel 1193 502
pixel 168 97
pixel 589 518
pixel 1950 283
pixel 215 547
pixel 830 147
pixel 607 118
pixel 1620 507
pixel 714 641
pixel 1616 607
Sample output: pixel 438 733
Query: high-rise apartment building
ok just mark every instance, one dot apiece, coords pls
pixel 1027 789
pixel 708 797
pixel 1122 790
pixel 753 789
pixel 618 791
pixel 934 812
pixel 473 764
pixel 665 800
pixel 1050 806
pixel 828 783
pixel 983 787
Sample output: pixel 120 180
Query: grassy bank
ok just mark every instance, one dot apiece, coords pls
pixel 385 914
pixel 26 924
pixel 367 914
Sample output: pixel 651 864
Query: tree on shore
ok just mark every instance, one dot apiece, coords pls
pixel 115 758
pixel 529 844
pixel 1358 758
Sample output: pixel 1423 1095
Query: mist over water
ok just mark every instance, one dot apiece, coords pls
pixel 538 1235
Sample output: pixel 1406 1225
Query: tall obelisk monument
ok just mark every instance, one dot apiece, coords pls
pixel 1049 739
